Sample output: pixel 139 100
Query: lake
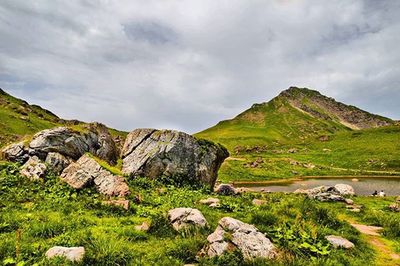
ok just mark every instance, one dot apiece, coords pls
pixel 365 186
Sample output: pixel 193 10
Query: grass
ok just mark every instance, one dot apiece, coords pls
pixel 51 213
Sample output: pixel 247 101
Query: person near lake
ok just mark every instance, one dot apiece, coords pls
pixel 375 193
pixel 382 194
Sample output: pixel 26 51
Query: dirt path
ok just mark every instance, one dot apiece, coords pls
pixel 385 255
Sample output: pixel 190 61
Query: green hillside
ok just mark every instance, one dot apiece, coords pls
pixel 303 133
pixel 18 120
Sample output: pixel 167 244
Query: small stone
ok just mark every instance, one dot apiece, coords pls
pixel 145 226
pixel 225 189
pixel 209 201
pixel 354 180
pixel 349 201
pixel 34 169
pixel 120 203
pixel 259 202
pixel 181 218
pixel 74 254
pixel 339 242
pixel 398 199
pixel 395 207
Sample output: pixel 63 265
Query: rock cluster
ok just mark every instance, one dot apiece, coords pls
pixel 86 171
pixel 233 234
pixel 325 193
pixel 172 154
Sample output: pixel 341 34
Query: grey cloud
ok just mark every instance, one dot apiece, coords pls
pixel 189 64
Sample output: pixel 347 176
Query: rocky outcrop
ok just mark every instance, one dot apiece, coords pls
pixel 325 193
pixel 172 154
pixel 74 254
pixel 86 171
pixel 33 169
pixel 57 162
pixel 181 218
pixel 233 234
pixel 339 242
pixel 225 189
pixel 73 144
pixel 15 153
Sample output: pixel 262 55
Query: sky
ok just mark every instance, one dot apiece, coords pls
pixel 186 65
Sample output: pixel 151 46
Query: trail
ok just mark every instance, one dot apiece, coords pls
pixel 385 255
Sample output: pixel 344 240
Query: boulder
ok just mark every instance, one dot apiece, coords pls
pixel 349 201
pixel 345 190
pixel 339 242
pixel 16 152
pixel 172 154
pixel 86 171
pixel 74 254
pixel 33 169
pixel 57 162
pixel 233 234
pixel 181 218
pixel 95 139
pixel 225 189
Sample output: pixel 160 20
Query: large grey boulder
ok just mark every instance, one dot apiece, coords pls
pixel 86 172
pixel 345 190
pixel 33 169
pixel 233 234
pixel 172 154
pixel 95 139
pixel 181 218
pixel 16 152
pixel 74 254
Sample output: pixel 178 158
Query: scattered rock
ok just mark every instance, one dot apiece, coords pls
pixel 309 165
pixel 15 153
pixel 33 169
pixel 225 189
pixel 259 202
pixel 87 171
pixel 145 226
pixel 398 199
pixel 349 201
pixel 395 207
pixel 345 190
pixel 354 180
pixel 57 162
pixel 74 254
pixel 324 138
pixel 154 153
pixel 210 201
pixel 293 162
pixel 120 203
pixel 181 218
pixel 326 150
pixel 292 150
pixel 244 237
pixel 339 242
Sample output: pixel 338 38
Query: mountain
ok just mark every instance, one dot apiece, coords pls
pixel 305 121
pixel 19 119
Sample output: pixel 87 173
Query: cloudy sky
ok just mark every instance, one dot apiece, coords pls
pixel 189 64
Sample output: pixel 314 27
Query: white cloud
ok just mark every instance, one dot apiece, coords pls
pixel 189 64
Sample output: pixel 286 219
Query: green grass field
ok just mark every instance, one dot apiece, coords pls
pixel 38 215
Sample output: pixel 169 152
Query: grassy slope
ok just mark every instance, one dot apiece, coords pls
pixel 18 120
pixel 51 213
pixel 277 127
